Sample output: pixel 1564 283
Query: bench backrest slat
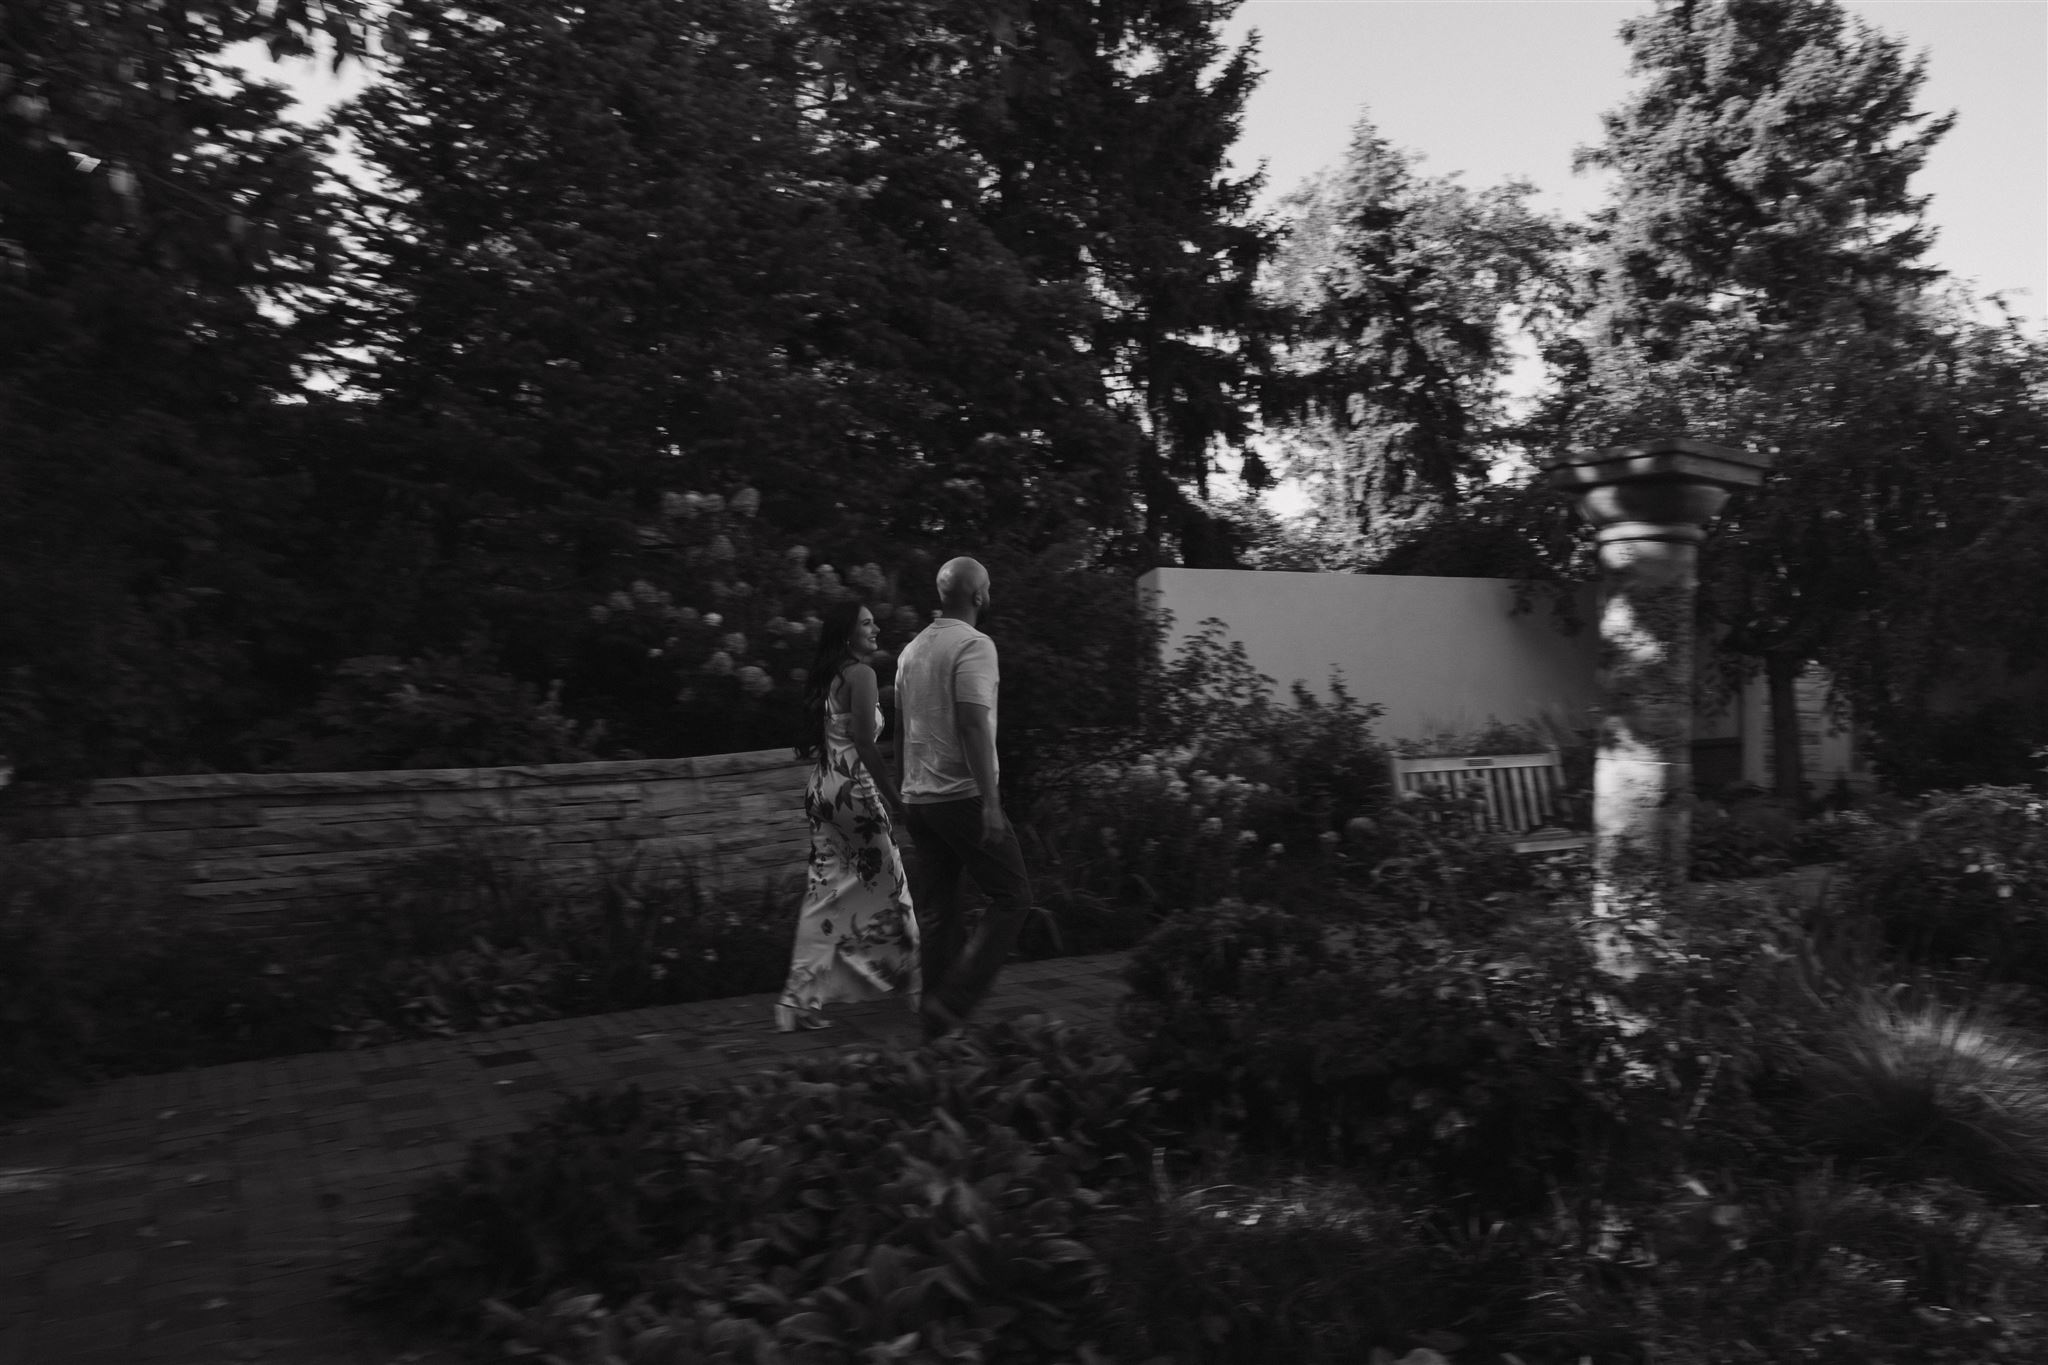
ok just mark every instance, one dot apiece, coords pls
pixel 1521 790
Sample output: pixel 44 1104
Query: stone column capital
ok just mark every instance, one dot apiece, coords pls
pixel 1667 488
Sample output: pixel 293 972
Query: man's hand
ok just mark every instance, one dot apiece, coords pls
pixel 994 829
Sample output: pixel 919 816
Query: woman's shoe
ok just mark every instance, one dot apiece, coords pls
pixel 790 1016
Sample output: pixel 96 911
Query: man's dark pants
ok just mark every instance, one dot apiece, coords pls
pixel 946 838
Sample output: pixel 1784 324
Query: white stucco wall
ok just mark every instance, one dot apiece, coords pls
pixel 1440 654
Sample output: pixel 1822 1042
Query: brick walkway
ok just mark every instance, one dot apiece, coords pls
pixel 199 1217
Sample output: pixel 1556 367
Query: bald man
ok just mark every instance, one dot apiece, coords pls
pixel 946 683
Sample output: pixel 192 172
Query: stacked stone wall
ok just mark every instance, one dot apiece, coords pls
pixel 275 852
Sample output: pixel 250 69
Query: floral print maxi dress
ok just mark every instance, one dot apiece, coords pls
pixel 856 937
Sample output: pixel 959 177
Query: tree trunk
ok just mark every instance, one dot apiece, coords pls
pixel 1788 755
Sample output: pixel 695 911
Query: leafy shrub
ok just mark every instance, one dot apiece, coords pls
pixel 1316 760
pixel 1437 861
pixel 1316 1267
pixel 471 989
pixel 1157 834
pixel 1747 839
pixel 104 971
pixel 1326 768
pixel 1825 1269
pixel 1997 743
pixel 1833 836
pixel 473 937
pixel 1487 1069
pixel 438 711
pixel 1487 1056
pixel 1236 790
pixel 1965 881
pixel 929 1200
pixel 1297 1269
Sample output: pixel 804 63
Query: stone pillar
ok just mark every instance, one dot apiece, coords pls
pixel 1649 505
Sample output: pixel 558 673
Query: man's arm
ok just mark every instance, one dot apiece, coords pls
pixel 861 679
pixel 978 747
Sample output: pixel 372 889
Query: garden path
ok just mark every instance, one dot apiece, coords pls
pixel 199 1217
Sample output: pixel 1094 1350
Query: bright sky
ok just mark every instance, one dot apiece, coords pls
pixel 1501 88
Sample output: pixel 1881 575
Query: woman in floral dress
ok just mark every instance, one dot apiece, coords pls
pixel 856 938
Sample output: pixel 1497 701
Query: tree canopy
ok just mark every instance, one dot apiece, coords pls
pixel 1404 294
pixel 1760 278
pixel 544 434
pixel 156 213
pixel 908 279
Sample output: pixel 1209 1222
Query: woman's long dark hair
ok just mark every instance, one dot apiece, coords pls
pixel 835 650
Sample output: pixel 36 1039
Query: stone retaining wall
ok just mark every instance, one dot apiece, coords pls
pixel 272 850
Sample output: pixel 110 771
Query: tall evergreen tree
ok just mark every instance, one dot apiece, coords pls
pixel 946 269
pixel 152 200
pixel 1109 134
pixel 1758 279
pixel 1405 292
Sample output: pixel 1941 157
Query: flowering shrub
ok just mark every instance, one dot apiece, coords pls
pixel 1236 791
pixel 1439 863
pixel 712 656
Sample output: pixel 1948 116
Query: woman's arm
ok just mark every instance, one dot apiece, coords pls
pixel 860 680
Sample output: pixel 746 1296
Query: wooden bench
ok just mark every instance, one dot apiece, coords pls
pixel 1523 794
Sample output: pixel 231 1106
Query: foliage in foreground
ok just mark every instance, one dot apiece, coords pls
pixel 1490 1062
pixel 1965 883
pixel 1315 1266
pixel 105 972
pixel 101 972
pixel 928 1197
pixel 1016 1196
